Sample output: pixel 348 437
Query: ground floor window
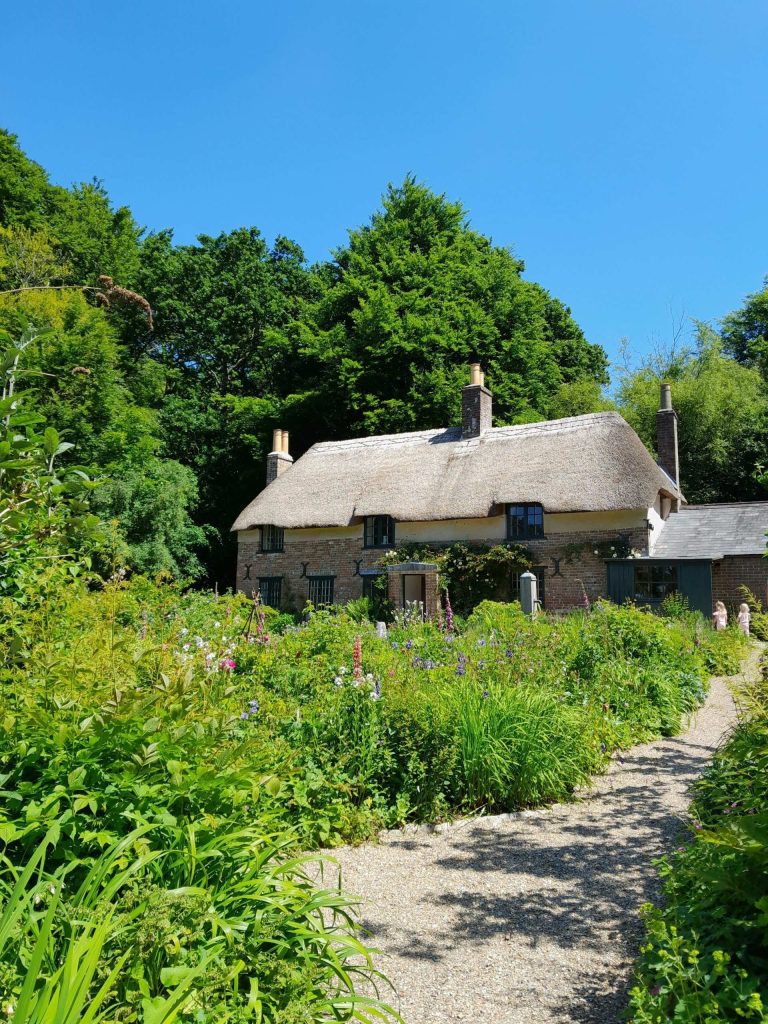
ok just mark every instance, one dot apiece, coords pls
pixel 540 572
pixel 320 590
pixel 271 589
pixel 369 585
pixel 654 582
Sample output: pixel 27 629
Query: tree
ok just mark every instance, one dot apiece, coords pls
pixel 80 224
pixel 722 410
pixel 410 300
pixel 217 308
pixel 73 382
pixel 745 332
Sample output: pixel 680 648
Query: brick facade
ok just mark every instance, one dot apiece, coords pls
pixel 344 556
pixel 564 578
pixel 734 571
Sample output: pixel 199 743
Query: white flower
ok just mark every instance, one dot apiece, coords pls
pixel 338 681
pixel 186 647
pixel 369 677
pixel 595 552
pixel 184 631
pixel 342 670
pixel 216 625
pixel 8 1009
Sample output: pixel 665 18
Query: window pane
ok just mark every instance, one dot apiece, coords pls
pixel 320 590
pixel 272 538
pixel 270 588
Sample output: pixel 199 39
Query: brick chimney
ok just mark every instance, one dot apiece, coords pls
pixel 476 405
pixel 666 436
pixel 278 459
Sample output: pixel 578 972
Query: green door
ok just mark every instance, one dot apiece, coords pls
pixel 694 581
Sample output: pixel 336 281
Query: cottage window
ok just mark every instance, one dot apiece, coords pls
pixel 369 585
pixel 272 538
pixel 379 532
pixel 320 590
pixel 654 582
pixel 540 572
pixel 525 522
pixel 271 589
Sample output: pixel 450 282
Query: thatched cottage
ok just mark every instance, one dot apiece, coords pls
pixel 583 494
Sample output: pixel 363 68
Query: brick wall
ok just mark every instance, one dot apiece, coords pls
pixel 303 558
pixel 730 573
pixel 564 578
pixel 339 557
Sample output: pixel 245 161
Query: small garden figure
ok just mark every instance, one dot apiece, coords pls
pixel 744 618
pixel 720 616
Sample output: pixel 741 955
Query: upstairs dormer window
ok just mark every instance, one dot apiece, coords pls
pixel 272 538
pixel 379 532
pixel 525 522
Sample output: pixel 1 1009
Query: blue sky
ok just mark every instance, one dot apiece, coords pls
pixel 619 147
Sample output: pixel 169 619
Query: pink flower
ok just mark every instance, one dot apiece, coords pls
pixel 226 664
pixel 448 614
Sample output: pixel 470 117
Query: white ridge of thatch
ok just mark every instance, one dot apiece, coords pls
pixel 583 463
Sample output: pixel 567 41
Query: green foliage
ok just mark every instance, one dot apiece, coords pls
pixel 722 408
pixel 745 332
pixel 469 572
pixel 410 300
pixel 47 533
pixel 79 224
pixel 705 955
pixel 72 379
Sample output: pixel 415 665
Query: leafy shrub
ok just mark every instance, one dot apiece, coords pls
pixel 705 956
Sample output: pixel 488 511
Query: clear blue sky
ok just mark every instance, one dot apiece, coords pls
pixel 619 147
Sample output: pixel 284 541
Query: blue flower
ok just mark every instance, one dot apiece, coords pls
pixel 461 669
pixel 254 706
pixel 244 715
pixel 509 652
pixel 485 695
pixel 409 644
pixel 481 642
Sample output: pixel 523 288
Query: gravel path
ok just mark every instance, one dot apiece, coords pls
pixel 532 917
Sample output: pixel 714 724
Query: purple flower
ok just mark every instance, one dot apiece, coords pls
pixel 244 715
pixel 461 669
pixel 409 644
pixel 485 695
pixel 509 652
pixel 254 706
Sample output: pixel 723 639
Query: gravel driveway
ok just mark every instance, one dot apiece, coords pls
pixel 532 917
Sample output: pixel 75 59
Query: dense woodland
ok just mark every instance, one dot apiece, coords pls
pixel 172 413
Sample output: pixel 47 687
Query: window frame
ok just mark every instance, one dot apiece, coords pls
pixel 271 582
pixel 668 586
pixel 370 524
pixel 276 542
pixel 369 588
pixel 531 530
pixel 319 581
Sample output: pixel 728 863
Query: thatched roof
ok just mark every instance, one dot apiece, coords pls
pixel 583 463
pixel 712 531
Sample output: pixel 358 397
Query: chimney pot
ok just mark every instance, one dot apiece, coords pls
pixel 666 397
pixel 278 459
pixel 475 376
